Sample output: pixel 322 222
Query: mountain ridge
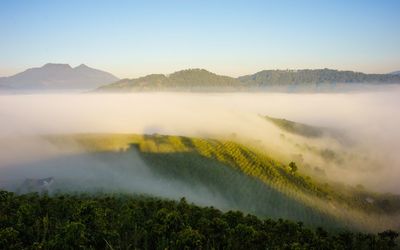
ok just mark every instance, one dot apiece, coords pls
pixel 201 79
pixel 60 76
pixel 188 79
pixel 57 76
pixel 315 76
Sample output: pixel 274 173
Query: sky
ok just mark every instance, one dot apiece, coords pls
pixel 135 38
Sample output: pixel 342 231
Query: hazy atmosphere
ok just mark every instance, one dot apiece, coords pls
pixel 199 124
pixel 366 119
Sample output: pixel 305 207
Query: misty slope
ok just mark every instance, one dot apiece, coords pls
pixel 58 76
pixel 202 80
pixel 190 79
pixel 306 130
pixel 297 128
pixel 240 177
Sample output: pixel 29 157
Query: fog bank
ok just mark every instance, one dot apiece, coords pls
pixel 371 120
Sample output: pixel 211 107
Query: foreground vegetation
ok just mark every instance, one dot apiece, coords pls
pixel 130 222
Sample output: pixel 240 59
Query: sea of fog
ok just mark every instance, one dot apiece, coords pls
pixel 371 120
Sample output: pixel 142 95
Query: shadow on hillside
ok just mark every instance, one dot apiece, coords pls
pixel 172 175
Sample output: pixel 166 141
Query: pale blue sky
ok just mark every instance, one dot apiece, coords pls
pixel 134 38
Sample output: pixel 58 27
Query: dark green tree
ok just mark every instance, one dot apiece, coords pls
pixel 293 167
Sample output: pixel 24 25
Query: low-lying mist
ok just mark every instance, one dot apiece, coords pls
pixel 369 121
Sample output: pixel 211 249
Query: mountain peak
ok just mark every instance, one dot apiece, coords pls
pixel 191 72
pixel 82 66
pixel 59 76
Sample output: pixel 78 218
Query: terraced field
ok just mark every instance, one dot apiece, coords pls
pixel 247 178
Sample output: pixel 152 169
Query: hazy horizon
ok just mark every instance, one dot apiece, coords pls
pixel 167 73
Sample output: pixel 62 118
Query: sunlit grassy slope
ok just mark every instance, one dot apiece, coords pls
pixel 250 179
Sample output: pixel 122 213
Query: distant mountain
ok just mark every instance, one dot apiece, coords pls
pixel 203 80
pixel 267 78
pixel 395 73
pixel 57 77
pixel 190 79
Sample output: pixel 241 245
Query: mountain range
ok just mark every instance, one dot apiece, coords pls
pixel 54 76
pixel 203 80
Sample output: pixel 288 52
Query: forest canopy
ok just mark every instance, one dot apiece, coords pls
pixel 110 221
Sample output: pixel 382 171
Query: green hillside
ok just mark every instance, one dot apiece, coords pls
pixel 203 80
pixel 267 78
pixel 190 79
pixel 297 128
pixel 247 178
